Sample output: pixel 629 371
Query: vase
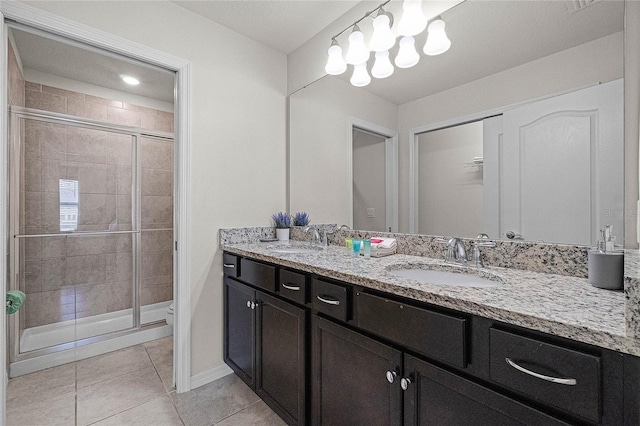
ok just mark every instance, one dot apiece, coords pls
pixel 282 234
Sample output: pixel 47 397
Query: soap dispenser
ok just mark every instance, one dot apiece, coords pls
pixel 605 263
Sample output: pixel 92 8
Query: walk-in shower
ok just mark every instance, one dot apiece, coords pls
pixel 91 225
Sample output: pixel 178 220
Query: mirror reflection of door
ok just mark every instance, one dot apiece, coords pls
pixel 369 181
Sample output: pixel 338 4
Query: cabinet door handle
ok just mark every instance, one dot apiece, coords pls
pixel 404 383
pixel 228 265
pixel 291 287
pixel 249 304
pixel 329 301
pixel 562 381
pixel 391 376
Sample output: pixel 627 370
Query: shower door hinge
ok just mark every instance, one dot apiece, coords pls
pixel 176 245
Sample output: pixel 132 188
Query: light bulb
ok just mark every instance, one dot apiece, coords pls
pixel 335 64
pixel 382 38
pixel 358 52
pixel 360 75
pixel 407 55
pixel 437 40
pixel 413 21
pixel 382 68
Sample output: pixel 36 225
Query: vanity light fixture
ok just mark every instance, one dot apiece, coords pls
pixel 407 55
pixel 130 80
pixel 382 38
pixel 412 23
pixel 360 75
pixel 358 52
pixel 437 40
pixel 382 67
pixel 335 64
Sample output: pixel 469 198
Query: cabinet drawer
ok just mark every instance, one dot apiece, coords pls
pixel 231 265
pixel 293 286
pixel 258 274
pixel 551 374
pixel 430 333
pixel 331 299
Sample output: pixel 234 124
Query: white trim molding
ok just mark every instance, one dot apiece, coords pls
pixel 209 376
pixel 56 25
pixel 4 223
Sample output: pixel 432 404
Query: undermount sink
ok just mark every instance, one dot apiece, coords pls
pixel 296 250
pixel 453 276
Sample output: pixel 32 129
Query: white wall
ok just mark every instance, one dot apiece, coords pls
pixel 369 181
pixel 598 61
pixel 319 154
pixel 238 136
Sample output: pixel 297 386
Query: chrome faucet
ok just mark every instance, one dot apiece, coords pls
pixel 458 252
pixel 315 237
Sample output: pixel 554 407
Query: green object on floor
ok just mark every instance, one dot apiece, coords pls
pixel 15 299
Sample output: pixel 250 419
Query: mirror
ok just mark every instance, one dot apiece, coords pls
pixel 504 55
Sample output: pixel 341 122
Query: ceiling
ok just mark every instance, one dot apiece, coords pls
pixel 284 25
pixel 487 37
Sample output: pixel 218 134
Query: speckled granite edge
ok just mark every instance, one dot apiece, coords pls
pixel 632 292
pixel 564 306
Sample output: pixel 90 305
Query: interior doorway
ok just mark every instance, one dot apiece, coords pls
pixel 374 177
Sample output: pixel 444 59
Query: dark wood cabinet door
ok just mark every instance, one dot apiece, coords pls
pixel 239 329
pixel 281 357
pixel 437 397
pixel 349 378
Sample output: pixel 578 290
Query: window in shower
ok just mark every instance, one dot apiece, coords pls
pixel 68 205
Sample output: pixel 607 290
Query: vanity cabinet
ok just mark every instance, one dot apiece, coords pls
pixel 265 341
pixel 435 396
pixel 350 385
pixel 326 352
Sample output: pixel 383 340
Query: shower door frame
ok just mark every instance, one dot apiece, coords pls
pixel 18 114
pixel 39 19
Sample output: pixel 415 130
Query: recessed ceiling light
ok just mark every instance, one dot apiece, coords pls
pixel 130 80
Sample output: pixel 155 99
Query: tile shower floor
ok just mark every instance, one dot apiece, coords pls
pixel 131 386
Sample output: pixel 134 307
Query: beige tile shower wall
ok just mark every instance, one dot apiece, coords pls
pixel 157 220
pixel 40 96
pixel 67 278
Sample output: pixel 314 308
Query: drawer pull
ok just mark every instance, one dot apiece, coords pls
pixel 405 382
pixel 570 382
pixel 328 301
pixel 291 287
pixel 391 376
pixel 228 265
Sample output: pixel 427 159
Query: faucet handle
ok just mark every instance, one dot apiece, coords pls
pixel 477 258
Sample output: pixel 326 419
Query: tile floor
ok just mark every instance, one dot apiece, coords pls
pixel 131 386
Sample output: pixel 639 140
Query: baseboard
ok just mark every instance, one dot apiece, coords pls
pixel 209 376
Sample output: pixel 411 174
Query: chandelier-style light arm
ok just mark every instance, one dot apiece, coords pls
pixel 366 15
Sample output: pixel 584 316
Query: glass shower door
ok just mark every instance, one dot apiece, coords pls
pixel 75 221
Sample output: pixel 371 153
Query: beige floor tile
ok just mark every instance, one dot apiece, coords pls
pixel 157 412
pixel 41 385
pixel 258 414
pixel 161 350
pixel 110 365
pixel 56 411
pixel 214 402
pixel 110 397
pixel 165 371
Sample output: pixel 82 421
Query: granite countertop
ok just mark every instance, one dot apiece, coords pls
pixel 560 305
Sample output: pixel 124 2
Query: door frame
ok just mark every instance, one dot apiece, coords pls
pixel 391 169
pixel 36 18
